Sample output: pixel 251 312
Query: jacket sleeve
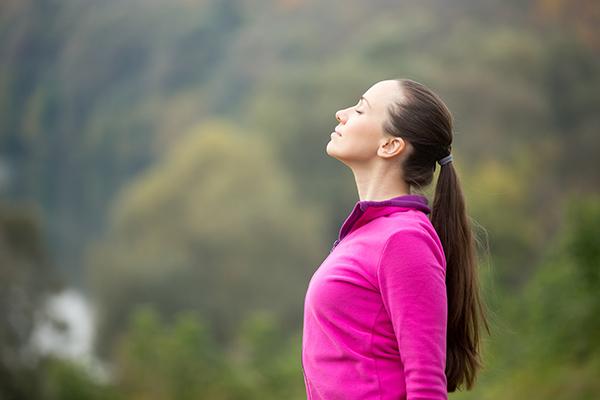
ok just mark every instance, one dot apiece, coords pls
pixel 411 277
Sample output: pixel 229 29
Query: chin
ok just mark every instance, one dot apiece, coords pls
pixel 330 150
pixel 333 153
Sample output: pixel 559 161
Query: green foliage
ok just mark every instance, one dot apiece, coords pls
pixel 563 296
pixel 67 380
pixel 525 381
pixel 182 360
pixel 176 362
pixel 214 227
pixel 583 240
pixel 545 343
pixel 83 95
pixel 505 219
pixel 267 359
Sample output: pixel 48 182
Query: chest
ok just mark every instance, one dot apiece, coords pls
pixel 345 284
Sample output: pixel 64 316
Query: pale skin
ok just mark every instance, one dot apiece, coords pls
pixel 373 155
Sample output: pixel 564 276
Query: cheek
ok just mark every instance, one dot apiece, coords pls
pixel 367 133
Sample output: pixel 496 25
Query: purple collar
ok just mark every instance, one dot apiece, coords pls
pixel 416 201
pixel 367 210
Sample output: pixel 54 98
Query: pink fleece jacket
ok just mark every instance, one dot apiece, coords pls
pixel 375 312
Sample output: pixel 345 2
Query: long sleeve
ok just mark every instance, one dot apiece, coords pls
pixel 411 277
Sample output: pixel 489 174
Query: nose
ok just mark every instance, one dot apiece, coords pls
pixel 339 115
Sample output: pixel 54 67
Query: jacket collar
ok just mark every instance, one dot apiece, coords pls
pixel 367 210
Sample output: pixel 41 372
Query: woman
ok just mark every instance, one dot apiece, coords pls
pixel 394 311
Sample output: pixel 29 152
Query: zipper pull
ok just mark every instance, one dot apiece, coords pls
pixel 334 244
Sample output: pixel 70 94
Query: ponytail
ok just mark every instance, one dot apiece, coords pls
pixel 420 117
pixel 466 313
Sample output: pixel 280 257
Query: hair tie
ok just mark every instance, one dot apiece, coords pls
pixel 445 160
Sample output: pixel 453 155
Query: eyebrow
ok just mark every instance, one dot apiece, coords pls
pixel 363 98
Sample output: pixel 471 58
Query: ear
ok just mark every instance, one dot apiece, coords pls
pixel 391 147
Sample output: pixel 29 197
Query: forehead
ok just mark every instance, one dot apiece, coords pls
pixel 381 94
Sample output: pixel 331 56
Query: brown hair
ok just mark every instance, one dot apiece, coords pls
pixel 423 120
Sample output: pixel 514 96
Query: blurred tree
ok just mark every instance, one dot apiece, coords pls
pixel 583 243
pixel 215 227
pixel 562 298
pixel 510 222
pixel 68 380
pixel 547 341
pixel 267 360
pixel 571 75
pixel 27 278
pixel 90 95
pixel 79 112
pixel 169 362
pixel 577 16
pixel 181 361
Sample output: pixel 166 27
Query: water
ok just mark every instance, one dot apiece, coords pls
pixel 68 332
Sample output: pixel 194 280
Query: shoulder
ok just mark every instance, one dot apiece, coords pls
pixel 413 239
pixel 412 225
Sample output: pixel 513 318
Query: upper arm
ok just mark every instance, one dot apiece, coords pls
pixel 412 283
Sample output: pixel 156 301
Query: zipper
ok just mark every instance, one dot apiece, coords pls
pixel 334 244
pixel 356 213
pixel 347 225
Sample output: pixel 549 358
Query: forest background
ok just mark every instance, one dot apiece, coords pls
pixel 163 171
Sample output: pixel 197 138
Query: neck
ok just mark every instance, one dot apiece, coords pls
pixel 379 183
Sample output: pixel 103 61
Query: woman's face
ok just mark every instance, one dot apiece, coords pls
pixel 359 137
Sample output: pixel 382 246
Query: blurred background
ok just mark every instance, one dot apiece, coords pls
pixel 165 195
